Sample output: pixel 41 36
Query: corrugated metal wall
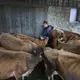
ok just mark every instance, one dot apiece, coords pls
pixel 22 20
pixel 57 3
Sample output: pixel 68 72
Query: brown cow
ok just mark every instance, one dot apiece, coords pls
pixel 68 64
pixel 71 36
pixel 53 39
pixel 40 43
pixel 12 63
pixel 12 43
pixel 65 36
pixel 16 63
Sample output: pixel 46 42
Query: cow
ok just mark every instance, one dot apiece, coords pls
pixel 39 42
pixel 64 64
pixel 67 63
pixel 71 35
pixel 50 69
pixel 21 63
pixel 60 40
pixel 13 64
pixel 12 43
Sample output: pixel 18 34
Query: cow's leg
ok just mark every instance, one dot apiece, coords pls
pixel 27 73
pixel 52 75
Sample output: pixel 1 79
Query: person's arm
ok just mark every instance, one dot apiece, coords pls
pixel 41 37
pixel 52 27
pixel 49 30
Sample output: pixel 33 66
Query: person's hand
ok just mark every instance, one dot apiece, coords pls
pixel 41 38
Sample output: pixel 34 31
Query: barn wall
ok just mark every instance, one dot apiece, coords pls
pixel 29 20
pixel 22 20
pixel 59 18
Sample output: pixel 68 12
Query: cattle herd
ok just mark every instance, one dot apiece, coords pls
pixel 19 54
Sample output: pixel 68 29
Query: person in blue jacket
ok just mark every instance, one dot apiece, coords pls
pixel 46 30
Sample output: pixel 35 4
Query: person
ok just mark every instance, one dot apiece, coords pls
pixel 46 33
pixel 46 30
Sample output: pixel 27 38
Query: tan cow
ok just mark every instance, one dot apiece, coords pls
pixel 12 43
pixel 68 64
pixel 40 43
pixel 62 40
pixel 71 46
pixel 12 63
pixel 16 63
pixel 63 35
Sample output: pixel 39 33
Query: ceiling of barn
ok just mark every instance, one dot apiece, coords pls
pixel 62 3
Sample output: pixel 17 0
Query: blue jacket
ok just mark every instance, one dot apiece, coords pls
pixel 46 31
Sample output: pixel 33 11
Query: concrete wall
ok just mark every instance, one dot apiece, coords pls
pixel 59 18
